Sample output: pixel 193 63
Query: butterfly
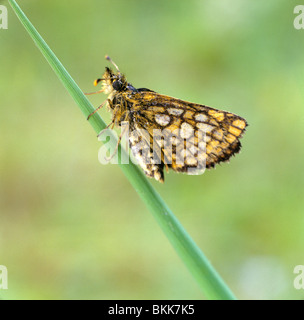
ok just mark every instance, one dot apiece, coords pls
pixel 169 133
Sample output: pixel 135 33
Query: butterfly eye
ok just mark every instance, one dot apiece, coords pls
pixel 117 85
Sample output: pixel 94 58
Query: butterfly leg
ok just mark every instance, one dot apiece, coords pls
pixel 118 142
pixel 107 127
pixel 90 93
pixel 91 114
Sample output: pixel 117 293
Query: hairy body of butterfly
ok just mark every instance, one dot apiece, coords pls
pixel 178 121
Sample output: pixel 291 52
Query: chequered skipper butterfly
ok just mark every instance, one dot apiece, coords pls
pixel 178 121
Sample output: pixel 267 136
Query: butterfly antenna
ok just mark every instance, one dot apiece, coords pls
pixel 114 64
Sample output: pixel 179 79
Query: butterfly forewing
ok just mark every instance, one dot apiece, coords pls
pixel 182 125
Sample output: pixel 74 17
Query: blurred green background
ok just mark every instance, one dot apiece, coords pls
pixel 71 228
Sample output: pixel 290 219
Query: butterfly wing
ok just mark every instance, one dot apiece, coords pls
pixel 186 137
pixel 143 153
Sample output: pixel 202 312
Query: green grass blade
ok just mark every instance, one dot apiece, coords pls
pixel 206 276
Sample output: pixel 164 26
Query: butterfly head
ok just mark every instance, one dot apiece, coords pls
pixel 112 82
